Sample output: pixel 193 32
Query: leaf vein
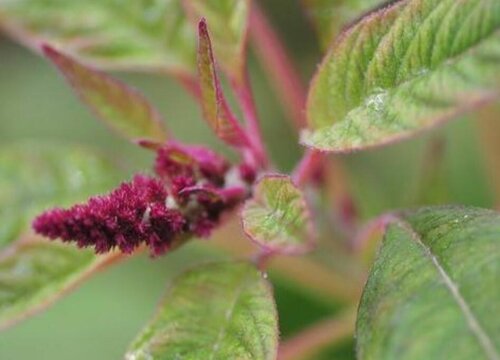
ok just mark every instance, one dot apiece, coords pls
pixel 472 322
pixel 229 315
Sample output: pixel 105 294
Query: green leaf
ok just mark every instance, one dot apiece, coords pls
pixel 228 21
pixel 34 272
pixel 113 34
pixel 216 110
pixel 216 311
pixel 404 68
pixel 122 108
pixel 433 292
pixel 277 217
pixel 329 16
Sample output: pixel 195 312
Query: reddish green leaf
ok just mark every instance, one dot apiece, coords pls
pixel 119 106
pixel 215 107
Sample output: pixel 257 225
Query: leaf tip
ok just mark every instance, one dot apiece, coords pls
pixel 49 51
pixel 148 144
pixel 202 27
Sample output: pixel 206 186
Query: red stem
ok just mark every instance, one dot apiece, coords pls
pixel 277 63
pixel 262 258
pixel 244 96
pixel 308 166
pixel 286 80
pixel 362 239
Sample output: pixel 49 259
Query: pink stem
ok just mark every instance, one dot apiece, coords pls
pixel 244 96
pixel 276 61
pixel 262 259
pixel 308 167
pixel 286 80
pixel 362 239
pixel 257 153
pixel 312 169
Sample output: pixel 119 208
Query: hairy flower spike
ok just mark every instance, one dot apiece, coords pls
pixel 133 213
pixel 194 187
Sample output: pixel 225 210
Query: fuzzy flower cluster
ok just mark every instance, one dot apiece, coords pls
pixel 191 191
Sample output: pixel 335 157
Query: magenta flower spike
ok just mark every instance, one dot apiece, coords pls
pixel 194 186
pixel 133 213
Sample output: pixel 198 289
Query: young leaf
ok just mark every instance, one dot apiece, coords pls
pixel 113 34
pixel 122 108
pixel 228 21
pixel 216 311
pixel 402 69
pixel 329 16
pixel 34 273
pixel 215 107
pixel 277 218
pixel 433 291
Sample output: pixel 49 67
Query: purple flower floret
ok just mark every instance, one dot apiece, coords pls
pixel 193 163
pixel 188 197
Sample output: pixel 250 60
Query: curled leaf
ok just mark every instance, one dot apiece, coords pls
pixel 215 107
pixel 277 217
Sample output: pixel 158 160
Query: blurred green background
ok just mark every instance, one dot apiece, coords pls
pixel 101 317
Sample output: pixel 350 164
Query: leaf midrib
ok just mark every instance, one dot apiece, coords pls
pixel 472 322
pixel 228 316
